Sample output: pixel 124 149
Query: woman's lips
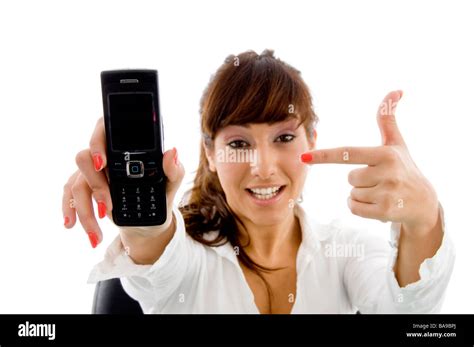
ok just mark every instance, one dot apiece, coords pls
pixel 267 202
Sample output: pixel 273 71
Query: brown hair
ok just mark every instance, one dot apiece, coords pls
pixel 247 88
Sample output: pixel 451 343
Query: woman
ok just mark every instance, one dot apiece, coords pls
pixel 241 243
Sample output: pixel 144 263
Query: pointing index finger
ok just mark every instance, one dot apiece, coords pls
pixel 343 155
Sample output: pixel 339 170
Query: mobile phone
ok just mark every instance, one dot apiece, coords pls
pixel 134 136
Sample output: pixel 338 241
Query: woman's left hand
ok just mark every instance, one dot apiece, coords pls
pixel 390 187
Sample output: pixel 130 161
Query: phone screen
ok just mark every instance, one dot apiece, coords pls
pixel 131 121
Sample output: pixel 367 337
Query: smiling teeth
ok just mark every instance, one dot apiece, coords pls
pixel 265 193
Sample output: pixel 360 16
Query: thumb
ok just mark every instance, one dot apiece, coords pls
pixel 387 121
pixel 174 172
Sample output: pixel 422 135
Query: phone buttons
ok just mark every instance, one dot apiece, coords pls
pixel 135 169
pixel 118 173
pixel 125 216
pixel 139 215
pixel 139 202
pixel 151 172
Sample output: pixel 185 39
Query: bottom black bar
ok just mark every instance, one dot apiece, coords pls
pixel 452 330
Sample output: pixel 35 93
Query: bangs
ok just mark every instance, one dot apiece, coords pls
pixel 260 89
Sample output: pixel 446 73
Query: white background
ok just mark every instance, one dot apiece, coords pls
pixel 350 54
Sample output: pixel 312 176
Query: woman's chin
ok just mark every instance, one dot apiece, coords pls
pixel 269 216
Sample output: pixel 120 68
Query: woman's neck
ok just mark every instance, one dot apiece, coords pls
pixel 273 245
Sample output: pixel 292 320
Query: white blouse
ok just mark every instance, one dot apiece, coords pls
pixel 339 270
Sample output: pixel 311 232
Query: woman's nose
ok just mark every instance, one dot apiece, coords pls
pixel 265 163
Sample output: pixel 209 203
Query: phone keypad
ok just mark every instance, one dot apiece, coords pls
pixel 138 202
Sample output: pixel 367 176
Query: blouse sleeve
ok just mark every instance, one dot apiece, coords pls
pixel 151 284
pixel 373 288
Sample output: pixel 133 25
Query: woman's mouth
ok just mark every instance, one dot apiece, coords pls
pixel 265 196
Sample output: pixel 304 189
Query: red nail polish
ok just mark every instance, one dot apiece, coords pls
pixel 102 209
pixel 306 157
pixel 93 238
pixel 98 162
pixel 175 156
pixel 66 220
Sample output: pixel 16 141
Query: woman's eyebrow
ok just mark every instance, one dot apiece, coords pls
pixel 293 124
pixel 245 125
pixel 235 127
pixel 290 123
pixel 234 130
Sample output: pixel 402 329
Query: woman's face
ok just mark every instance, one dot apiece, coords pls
pixel 259 168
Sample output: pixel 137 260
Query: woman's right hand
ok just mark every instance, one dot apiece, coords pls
pixel 91 181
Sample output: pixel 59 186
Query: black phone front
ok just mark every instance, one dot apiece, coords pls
pixel 134 136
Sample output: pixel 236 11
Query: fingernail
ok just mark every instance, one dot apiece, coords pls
pixel 93 238
pixel 175 158
pixel 306 157
pixel 66 220
pixel 102 209
pixel 98 162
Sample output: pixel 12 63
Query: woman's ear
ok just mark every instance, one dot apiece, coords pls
pixel 210 157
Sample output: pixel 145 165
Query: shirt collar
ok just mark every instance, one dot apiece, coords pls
pixel 312 233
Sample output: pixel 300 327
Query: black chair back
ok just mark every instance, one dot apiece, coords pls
pixel 110 298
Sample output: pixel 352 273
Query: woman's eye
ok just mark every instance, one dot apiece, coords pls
pixel 285 138
pixel 237 144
